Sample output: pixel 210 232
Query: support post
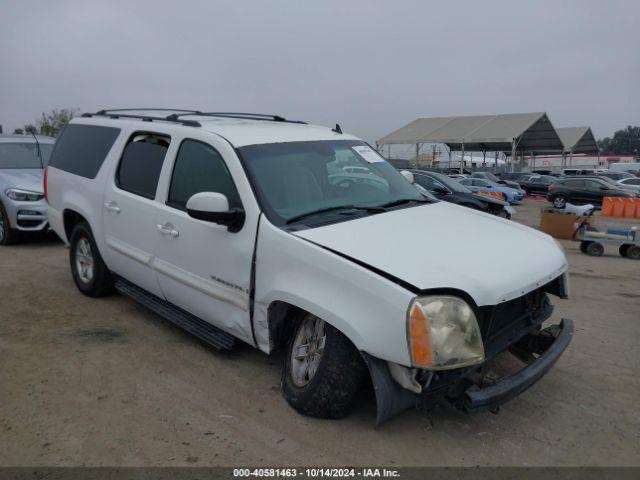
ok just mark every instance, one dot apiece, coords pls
pixel 462 159
pixel 417 154
pixel 513 155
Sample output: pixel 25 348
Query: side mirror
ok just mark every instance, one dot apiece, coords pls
pixel 214 207
pixel 408 175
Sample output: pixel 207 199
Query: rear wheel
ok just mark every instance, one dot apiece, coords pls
pixel 559 201
pixel 583 246
pixel 623 249
pixel 633 252
pixel 322 370
pixel 595 249
pixel 7 234
pixel 91 275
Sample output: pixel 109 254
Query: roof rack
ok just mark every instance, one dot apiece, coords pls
pixel 116 113
pixel 175 117
pixel 240 115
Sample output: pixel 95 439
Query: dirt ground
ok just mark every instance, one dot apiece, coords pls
pixel 105 382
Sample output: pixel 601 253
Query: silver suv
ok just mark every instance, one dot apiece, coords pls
pixel 22 205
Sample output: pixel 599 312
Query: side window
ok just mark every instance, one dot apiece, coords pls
pixel 593 185
pixel 425 181
pixel 81 149
pixel 575 183
pixel 200 168
pixel 141 163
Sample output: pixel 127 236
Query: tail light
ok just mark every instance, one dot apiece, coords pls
pixel 552 186
pixel 44 184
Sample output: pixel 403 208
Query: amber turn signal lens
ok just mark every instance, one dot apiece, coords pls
pixel 419 337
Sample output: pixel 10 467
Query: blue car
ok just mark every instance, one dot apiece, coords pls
pixel 511 195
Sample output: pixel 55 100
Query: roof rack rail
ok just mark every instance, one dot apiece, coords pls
pixel 240 115
pixel 116 113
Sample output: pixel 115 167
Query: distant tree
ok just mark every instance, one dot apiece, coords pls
pixel 18 131
pixel 625 141
pixel 51 123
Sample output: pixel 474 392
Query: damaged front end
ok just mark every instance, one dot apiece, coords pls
pixel 514 327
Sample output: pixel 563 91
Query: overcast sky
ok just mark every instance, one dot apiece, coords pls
pixel 370 65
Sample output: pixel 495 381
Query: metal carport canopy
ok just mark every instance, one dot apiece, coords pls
pixel 578 139
pixel 526 132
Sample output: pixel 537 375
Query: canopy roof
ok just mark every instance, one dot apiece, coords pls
pixel 578 139
pixel 532 132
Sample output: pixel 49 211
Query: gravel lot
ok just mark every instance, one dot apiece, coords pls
pixel 105 382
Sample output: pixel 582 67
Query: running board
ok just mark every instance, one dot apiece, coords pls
pixel 196 326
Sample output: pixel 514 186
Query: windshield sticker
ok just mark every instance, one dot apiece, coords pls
pixel 369 154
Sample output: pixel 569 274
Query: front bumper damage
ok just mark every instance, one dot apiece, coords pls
pixel 463 388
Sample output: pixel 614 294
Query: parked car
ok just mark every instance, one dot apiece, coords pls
pixel 612 183
pixel 22 206
pixel 537 184
pixel 492 178
pixel 233 231
pixel 444 188
pixel 630 182
pixel 633 168
pixel 580 191
pixel 571 172
pixel 479 184
pixel 616 175
pixel 513 176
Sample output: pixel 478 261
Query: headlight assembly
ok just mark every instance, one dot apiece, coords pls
pixel 23 195
pixel 443 333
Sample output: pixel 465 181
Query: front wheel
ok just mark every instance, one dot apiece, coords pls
pixel 7 234
pixel 322 370
pixel 90 274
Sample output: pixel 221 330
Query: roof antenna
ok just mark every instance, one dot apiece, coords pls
pixel 31 131
pixel 337 129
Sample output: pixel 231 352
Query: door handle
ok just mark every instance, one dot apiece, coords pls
pixel 168 229
pixel 112 207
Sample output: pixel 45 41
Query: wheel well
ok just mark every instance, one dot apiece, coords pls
pixel 71 218
pixel 281 318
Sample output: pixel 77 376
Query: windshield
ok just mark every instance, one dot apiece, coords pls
pixel 450 183
pixel 24 155
pixel 294 178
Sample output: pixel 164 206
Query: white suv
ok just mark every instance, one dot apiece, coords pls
pixel 249 227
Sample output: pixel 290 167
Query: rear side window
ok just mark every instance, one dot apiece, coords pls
pixel 81 149
pixel 200 168
pixel 141 163
pixel 574 183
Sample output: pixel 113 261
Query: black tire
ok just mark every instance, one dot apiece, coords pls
pixel 623 249
pixel 101 282
pixel 330 392
pixel 8 235
pixel 595 249
pixel 559 201
pixel 633 252
pixel 583 246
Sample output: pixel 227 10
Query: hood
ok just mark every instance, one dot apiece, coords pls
pixel 24 178
pixel 443 245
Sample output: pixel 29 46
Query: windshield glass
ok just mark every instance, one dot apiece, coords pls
pixel 295 178
pixel 450 183
pixel 24 155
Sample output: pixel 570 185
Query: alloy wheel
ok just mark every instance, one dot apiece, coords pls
pixel 84 260
pixel 307 351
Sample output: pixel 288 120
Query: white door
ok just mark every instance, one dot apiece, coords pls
pixel 129 209
pixel 203 267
